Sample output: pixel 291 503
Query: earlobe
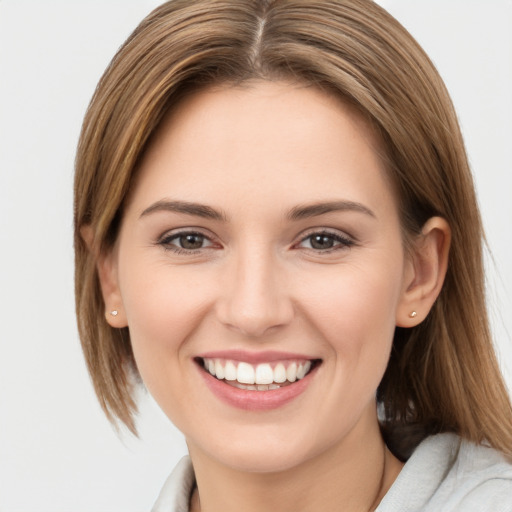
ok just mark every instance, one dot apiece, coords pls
pixel 425 272
pixel 106 265
pixel 108 276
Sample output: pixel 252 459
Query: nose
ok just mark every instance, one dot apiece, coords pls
pixel 255 299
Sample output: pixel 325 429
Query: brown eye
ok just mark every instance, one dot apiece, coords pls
pixel 322 241
pixel 191 241
pixel 185 241
pixel 325 242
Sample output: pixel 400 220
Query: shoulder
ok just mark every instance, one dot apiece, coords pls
pixel 175 494
pixel 449 474
pixel 481 479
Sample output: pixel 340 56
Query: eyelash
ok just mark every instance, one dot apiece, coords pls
pixel 342 242
pixel 166 242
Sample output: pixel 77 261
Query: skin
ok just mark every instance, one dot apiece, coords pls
pixel 256 283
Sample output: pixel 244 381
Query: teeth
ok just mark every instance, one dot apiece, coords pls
pixel 255 387
pixel 230 371
pixel 245 373
pixel 219 370
pixel 291 372
pixel 261 377
pixel 280 373
pixel 264 374
pixel 303 369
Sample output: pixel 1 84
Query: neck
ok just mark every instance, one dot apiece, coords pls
pixel 356 473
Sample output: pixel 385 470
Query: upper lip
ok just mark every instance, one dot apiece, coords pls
pixel 266 356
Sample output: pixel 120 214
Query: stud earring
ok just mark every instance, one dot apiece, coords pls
pixel 412 314
pixel 114 312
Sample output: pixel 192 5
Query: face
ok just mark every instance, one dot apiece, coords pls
pixel 260 269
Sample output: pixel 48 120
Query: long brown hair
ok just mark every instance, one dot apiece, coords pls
pixel 442 375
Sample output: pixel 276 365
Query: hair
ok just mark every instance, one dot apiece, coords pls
pixel 442 375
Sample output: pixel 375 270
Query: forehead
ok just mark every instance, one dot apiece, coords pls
pixel 262 138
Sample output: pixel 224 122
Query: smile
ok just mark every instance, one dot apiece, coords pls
pixel 256 382
pixel 259 377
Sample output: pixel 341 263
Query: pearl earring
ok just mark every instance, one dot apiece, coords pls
pixel 412 314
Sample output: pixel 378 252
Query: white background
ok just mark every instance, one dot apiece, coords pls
pixel 57 451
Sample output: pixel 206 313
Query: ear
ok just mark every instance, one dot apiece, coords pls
pixel 106 266
pixel 424 272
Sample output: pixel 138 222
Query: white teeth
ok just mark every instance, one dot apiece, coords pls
pixel 291 372
pixel 260 377
pixel 245 373
pixel 301 372
pixel 303 369
pixel 264 374
pixel 219 370
pixel 240 386
pixel 255 387
pixel 230 371
pixel 279 373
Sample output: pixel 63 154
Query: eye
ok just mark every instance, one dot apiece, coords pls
pixel 185 241
pixel 325 241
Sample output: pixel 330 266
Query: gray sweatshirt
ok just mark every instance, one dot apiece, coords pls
pixel 444 474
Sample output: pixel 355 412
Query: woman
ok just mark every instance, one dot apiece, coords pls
pixel 276 230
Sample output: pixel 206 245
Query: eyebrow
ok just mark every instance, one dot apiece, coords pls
pixel 296 213
pixel 315 209
pixel 196 209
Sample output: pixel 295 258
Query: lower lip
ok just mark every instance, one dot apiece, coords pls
pixel 251 400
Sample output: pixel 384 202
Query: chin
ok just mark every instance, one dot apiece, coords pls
pixel 265 449
pixel 262 459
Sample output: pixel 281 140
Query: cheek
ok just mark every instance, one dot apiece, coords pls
pixel 163 306
pixel 355 310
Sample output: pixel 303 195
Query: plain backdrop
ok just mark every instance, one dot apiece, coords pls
pixel 57 451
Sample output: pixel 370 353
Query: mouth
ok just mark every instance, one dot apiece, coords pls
pixel 264 376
